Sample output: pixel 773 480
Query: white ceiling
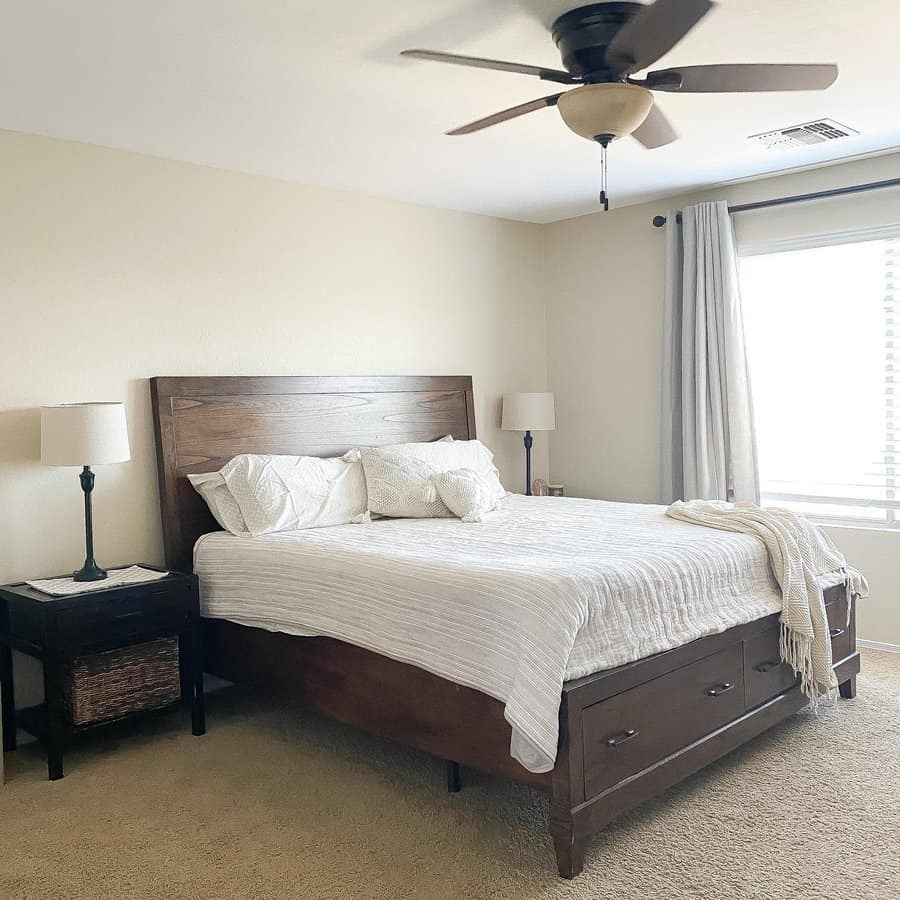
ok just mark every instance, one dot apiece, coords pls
pixel 314 92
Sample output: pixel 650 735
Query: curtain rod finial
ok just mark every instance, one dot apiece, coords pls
pixel 659 221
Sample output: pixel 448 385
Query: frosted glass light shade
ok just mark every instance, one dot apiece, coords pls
pixel 528 412
pixel 595 109
pixel 84 434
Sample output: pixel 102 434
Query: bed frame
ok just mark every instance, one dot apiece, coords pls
pixel 626 734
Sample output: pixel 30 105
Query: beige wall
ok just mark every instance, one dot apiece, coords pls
pixel 115 267
pixel 605 276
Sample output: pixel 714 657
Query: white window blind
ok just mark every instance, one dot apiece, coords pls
pixel 819 323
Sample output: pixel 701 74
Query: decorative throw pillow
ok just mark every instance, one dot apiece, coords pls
pixel 445 456
pixel 466 493
pixel 399 485
pixel 212 488
pixel 286 493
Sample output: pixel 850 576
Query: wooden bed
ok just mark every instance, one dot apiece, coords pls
pixel 626 734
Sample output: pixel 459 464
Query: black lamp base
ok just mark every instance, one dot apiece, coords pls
pixel 90 571
pixel 529 440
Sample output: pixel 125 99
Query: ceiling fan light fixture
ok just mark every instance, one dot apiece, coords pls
pixel 604 44
pixel 615 109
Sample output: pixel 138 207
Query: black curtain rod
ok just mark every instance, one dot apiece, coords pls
pixel 659 221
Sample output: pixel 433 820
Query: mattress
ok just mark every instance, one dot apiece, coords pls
pixel 547 590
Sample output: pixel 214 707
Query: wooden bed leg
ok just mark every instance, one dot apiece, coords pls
pixel 848 688
pixel 569 852
pixel 452 777
pixel 566 795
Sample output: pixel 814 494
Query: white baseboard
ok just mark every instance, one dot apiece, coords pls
pixel 879 645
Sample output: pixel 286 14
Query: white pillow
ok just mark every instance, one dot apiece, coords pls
pixel 399 485
pixel 212 488
pixel 466 493
pixel 286 493
pixel 398 488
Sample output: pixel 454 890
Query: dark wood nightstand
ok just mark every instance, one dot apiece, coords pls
pixel 58 630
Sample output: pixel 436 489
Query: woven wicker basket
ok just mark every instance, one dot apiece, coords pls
pixel 112 684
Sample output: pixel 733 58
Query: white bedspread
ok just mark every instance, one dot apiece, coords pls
pixel 549 589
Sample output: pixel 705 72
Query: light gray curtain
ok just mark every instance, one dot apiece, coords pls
pixel 708 444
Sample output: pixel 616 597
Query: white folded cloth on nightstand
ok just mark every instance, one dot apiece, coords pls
pixel 63 587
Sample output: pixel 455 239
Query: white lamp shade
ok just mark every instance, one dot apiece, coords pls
pixel 528 412
pixel 84 434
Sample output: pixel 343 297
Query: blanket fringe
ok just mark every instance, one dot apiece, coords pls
pixel 796 651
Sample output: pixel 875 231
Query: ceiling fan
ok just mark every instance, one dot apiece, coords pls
pixel 604 44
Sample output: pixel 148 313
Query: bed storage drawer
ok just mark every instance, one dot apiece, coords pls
pixel 630 731
pixel 842 643
pixel 765 675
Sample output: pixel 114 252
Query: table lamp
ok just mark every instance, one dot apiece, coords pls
pixel 528 412
pixel 85 434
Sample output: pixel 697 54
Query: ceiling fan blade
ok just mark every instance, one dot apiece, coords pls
pixel 477 62
pixel 511 113
pixel 653 32
pixel 656 130
pixel 747 77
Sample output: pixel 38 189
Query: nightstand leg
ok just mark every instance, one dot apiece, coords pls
pixel 452 777
pixel 7 699
pixel 198 708
pixel 186 667
pixel 56 718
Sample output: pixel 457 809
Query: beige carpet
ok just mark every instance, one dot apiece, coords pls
pixel 273 803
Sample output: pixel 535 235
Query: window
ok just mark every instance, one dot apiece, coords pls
pixel 819 323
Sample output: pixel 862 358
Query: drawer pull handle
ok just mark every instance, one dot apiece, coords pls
pixel 719 689
pixel 127 615
pixel 622 738
pixel 766 666
pixel 836 632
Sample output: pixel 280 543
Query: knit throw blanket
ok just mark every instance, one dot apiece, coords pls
pixel 799 552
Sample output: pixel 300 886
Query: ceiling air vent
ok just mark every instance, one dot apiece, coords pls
pixel 803 135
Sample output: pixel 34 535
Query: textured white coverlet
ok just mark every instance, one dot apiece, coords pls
pixel 547 590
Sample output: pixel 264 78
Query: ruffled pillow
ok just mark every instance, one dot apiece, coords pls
pixel 287 493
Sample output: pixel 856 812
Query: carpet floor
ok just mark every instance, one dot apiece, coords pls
pixel 276 803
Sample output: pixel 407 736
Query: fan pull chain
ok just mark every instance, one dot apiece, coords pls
pixel 604 140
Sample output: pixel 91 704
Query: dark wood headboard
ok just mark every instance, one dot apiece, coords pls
pixel 202 422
